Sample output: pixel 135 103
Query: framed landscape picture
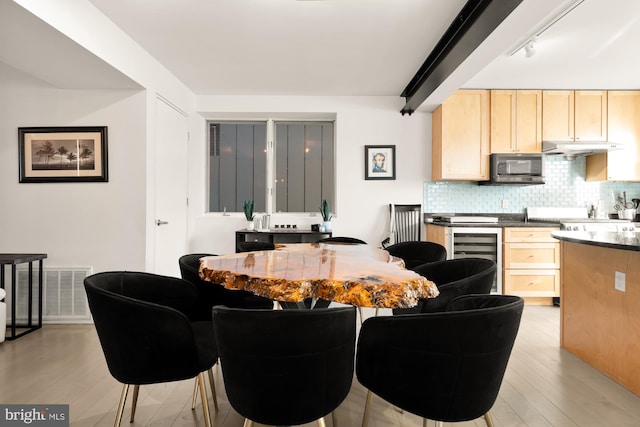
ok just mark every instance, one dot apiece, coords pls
pixel 63 154
pixel 380 162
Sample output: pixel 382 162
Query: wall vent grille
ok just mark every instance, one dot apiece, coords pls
pixel 63 297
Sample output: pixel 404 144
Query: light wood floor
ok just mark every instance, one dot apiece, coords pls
pixel 543 386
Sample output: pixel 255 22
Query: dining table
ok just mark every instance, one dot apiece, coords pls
pixel 353 274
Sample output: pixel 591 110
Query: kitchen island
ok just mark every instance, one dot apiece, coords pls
pixel 600 302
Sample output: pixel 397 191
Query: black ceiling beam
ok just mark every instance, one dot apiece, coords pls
pixel 474 23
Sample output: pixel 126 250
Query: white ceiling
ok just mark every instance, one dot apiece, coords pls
pixel 341 47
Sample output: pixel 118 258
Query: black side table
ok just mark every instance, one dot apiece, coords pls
pixel 13 260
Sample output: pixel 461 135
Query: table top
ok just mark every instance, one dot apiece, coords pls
pixel 359 275
pixel 20 258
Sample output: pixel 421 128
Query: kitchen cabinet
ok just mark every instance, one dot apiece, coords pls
pixel 569 115
pixel 460 137
pixel 516 121
pixel 438 234
pixel 531 264
pixel 624 128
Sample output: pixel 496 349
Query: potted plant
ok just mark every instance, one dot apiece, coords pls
pixel 326 215
pixel 247 207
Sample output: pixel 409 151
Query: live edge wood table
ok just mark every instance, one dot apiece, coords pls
pixel 358 275
pixel 13 260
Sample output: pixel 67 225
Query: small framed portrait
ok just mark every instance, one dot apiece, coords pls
pixel 63 154
pixel 379 162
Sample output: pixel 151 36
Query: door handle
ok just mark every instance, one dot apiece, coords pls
pixel 160 222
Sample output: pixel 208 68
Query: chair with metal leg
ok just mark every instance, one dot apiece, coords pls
pixel 446 366
pixel 286 367
pixel 146 335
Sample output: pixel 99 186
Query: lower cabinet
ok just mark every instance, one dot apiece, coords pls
pixel 531 262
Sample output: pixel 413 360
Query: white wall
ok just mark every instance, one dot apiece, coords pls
pixel 361 206
pixel 99 225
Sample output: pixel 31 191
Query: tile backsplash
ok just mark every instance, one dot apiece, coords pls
pixel 565 187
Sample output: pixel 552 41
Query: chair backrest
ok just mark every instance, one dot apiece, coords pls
pixel 254 246
pixel 444 366
pixel 342 239
pixel 286 367
pixel 144 332
pixel 415 253
pixel 405 222
pixel 454 277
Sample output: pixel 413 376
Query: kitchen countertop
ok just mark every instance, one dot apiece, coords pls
pixel 625 240
pixel 504 220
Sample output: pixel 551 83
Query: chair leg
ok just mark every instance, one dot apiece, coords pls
pixel 213 389
pixel 247 423
pixel 488 419
pixel 134 401
pixel 123 399
pixel 334 419
pixel 367 408
pixel 425 422
pixel 321 422
pixel 195 394
pixel 203 397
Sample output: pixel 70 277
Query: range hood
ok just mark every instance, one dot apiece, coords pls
pixel 571 150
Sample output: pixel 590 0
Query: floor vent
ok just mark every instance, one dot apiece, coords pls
pixel 63 297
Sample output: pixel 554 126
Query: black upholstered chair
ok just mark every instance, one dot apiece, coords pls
pixel 445 366
pixel 211 294
pixel 415 253
pixel 286 367
pixel 146 335
pixel 342 239
pixel 453 277
pixel 254 246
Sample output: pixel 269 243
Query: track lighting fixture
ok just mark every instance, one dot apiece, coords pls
pixel 529 48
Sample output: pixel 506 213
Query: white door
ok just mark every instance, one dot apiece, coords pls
pixel 170 227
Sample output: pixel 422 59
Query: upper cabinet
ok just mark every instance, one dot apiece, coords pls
pixel 569 115
pixel 591 115
pixel 624 128
pixel 516 121
pixel 460 137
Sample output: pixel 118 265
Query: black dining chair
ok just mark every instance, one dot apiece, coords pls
pixel 342 239
pixel 445 366
pixel 211 294
pixel 286 367
pixel 453 277
pixel 143 324
pixel 415 253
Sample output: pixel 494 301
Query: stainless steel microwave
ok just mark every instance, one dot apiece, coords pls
pixel 516 168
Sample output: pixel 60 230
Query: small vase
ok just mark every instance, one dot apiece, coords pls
pixel 327 226
pixel 250 225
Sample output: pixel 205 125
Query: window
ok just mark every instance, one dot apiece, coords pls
pixel 243 162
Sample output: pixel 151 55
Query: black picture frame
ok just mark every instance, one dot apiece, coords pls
pixel 63 154
pixel 374 169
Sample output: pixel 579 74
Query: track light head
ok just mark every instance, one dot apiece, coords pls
pixel 529 49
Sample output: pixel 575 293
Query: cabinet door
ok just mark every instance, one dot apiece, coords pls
pixel 532 255
pixel 532 283
pixel 460 137
pixel 624 128
pixel 529 121
pixel 437 234
pixel 558 115
pixel 590 115
pixel 529 234
pixel 503 121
